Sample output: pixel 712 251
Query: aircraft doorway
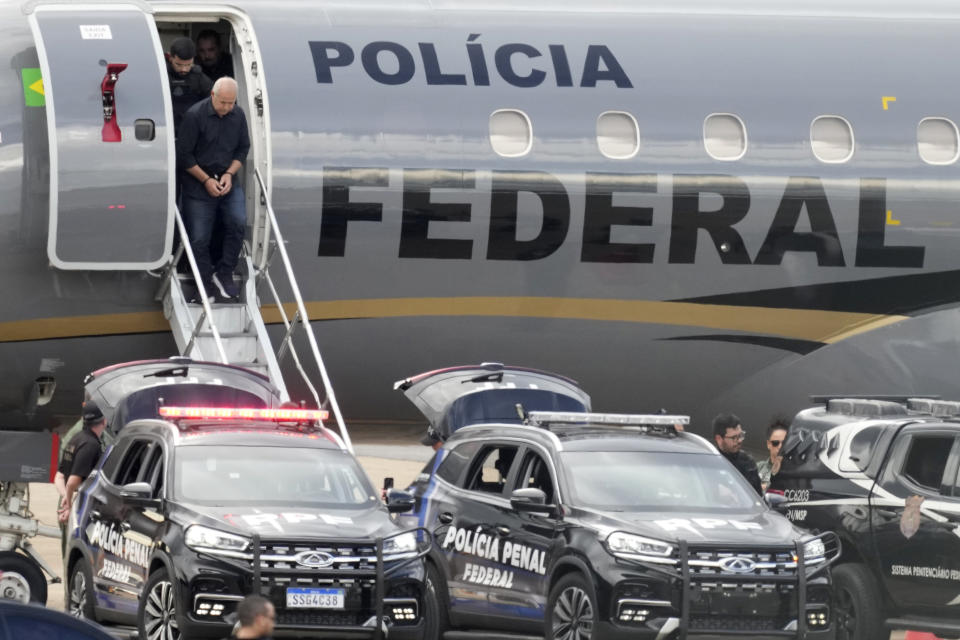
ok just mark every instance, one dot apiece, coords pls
pixel 226 45
pixel 111 139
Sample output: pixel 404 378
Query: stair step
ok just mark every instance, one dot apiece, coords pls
pixel 224 335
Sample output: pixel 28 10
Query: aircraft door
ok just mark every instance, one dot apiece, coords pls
pixel 111 147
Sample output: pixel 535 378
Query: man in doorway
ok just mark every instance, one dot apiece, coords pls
pixel 729 436
pixel 214 61
pixel 82 454
pixel 212 148
pixel 188 84
pixel 257 617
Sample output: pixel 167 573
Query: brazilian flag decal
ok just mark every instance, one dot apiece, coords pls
pixel 33 95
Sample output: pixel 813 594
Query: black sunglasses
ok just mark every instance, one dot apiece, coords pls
pixel 775 443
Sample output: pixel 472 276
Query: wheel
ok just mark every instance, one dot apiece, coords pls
pixel 21 579
pixel 81 598
pixel 158 617
pixel 435 613
pixel 857 604
pixel 571 609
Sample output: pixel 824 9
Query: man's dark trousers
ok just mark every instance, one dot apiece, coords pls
pixel 200 214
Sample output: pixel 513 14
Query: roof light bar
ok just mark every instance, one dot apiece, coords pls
pixel 621 419
pixel 280 415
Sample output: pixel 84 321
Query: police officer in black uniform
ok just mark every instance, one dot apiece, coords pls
pixel 188 84
pixel 729 437
pixel 214 62
pixel 81 456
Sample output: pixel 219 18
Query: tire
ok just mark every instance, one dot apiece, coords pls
pixel 80 596
pixel 21 579
pixel 159 616
pixel 571 609
pixel 437 620
pixel 857 604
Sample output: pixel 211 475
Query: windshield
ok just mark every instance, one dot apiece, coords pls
pixel 647 481
pixel 217 475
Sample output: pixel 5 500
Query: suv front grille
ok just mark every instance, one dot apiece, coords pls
pixel 719 562
pixel 733 623
pixel 288 618
pixel 312 560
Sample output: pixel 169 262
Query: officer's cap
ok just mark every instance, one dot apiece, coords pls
pixel 91 413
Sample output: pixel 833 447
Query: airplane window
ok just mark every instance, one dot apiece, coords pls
pixel 618 135
pixel 938 141
pixel 831 138
pixel 511 134
pixel 724 136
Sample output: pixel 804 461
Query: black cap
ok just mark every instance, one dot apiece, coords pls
pixel 431 438
pixel 91 413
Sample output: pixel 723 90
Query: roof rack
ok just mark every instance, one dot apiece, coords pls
pixel 823 399
pixel 646 423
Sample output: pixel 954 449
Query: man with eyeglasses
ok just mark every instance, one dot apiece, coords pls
pixel 770 466
pixel 729 437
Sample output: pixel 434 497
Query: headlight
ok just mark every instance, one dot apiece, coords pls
pixel 207 538
pixel 403 543
pixel 627 545
pixel 814 550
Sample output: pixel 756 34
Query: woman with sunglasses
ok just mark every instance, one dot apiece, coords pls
pixel 770 466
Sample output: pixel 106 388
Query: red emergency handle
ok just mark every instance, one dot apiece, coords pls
pixel 110 131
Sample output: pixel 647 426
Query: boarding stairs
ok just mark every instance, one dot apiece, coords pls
pixel 235 332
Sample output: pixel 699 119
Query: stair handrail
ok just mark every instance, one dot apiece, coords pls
pixel 303 317
pixel 171 277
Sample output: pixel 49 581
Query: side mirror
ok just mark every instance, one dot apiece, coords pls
pixel 774 500
pixel 399 501
pixel 532 500
pixel 137 491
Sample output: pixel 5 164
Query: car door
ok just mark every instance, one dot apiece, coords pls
pixel 915 518
pixel 117 576
pixel 144 520
pixel 108 105
pixel 133 390
pixel 527 544
pixel 467 538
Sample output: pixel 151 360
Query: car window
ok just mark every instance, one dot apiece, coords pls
pixel 535 474
pixel 112 461
pixel 152 471
pixel 926 461
pixel 451 469
pixel 228 475
pixel 490 469
pixel 654 481
pixel 131 462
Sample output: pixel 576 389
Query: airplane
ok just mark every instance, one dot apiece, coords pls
pixel 678 205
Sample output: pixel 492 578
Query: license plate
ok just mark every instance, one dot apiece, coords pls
pixel 315 598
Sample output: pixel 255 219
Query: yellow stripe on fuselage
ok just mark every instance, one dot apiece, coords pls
pixel 800 324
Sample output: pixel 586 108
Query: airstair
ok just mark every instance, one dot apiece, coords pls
pixel 235 332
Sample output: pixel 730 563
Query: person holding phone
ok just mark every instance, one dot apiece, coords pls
pixel 770 466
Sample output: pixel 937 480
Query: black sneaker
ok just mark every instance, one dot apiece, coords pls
pixel 226 286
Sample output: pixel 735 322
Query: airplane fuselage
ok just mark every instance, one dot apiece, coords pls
pixel 678 273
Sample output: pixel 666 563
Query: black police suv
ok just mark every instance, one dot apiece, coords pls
pixel 195 508
pixel 584 525
pixel 884 474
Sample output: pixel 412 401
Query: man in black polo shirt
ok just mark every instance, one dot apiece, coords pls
pixel 188 84
pixel 729 436
pixel 211 149
pixel 82 454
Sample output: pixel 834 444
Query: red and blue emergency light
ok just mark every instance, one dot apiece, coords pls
pixel 279 415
